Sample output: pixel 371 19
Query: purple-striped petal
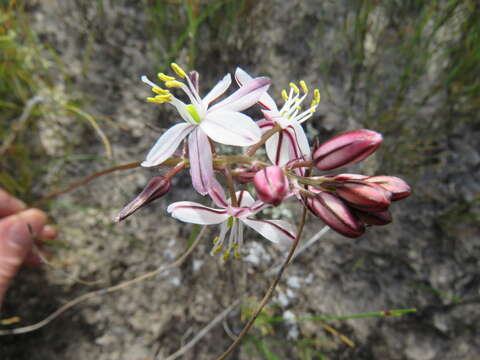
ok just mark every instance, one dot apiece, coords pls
pixel 167 144
pixel 231 128
pixel 218 90
pixel 195 213
pixel 200 156
pixel 265 100
pixel 244 97
pixel 346 149
pixel 217 194
pixel 277 231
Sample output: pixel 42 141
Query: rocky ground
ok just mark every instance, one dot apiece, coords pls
pixel 427 259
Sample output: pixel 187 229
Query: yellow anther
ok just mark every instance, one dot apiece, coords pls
pixel 178 70
pixel 216 239
pixel 313 108
pixel 316 96
pixel 173 84
pixel 294 87
pixel 226 255
pixel 303 86
pixel 160 91
pixel 217 248
pixel 298 107
pixel 160 99
pixel 237 254
pixel 165 77
pixel 284 95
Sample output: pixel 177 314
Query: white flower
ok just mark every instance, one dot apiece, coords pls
pixel 232 219
pixel 222 122
pixel 290 143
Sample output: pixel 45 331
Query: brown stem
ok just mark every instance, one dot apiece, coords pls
pixel 269 292
pixel 264 138
pixel 231 186
pixel 302 164
pixel 87 180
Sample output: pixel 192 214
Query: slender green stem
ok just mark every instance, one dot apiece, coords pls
pixel 269 292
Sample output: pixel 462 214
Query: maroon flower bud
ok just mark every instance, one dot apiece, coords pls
pixel 156 187
pixel 335 213
pixel 346 149
pixel 245 174
pixel 374 218
pixel 396 186
pixel 364 196
pixel 271 184
pixel 346 177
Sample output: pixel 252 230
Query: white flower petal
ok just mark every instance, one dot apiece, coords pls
pixel 231 128
pixel 218 89
pixel 278 148
pixel 200 156
pixel 244 97
pixel 217 194
pixel 195 213
pixel 265 100
pixel 301 140
pixel 277 231
pixel 244 198
pixel 167 144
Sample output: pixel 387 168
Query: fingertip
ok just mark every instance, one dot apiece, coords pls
pixel 49 232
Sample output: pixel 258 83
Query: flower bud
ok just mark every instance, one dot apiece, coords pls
pixel 156 187
pixel 396 186
pixel 364 196
pixel 335 213
pixel 374 218
pixel 271 184
pixel 346 149
pixel 245 174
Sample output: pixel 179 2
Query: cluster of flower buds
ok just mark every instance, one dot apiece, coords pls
pixel 345 202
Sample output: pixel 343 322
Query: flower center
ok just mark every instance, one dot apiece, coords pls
pixel 193 111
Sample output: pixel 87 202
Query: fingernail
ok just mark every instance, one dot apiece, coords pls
pixel 20 235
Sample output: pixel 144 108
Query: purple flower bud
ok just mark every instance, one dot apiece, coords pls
pixel 271 184
pixel 346 149
pixel 374 218
pixel 335 213
pixel 156 187
pixel 245 174
pixel 346 177
pixel 364 196
pixel 396 186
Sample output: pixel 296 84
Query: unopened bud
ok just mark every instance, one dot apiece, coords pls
pixel 396 186
pixel 364 196
pixel 374 218
pixel 245 174
pixel 346 149
pixel 271 184
pixel 156 187
pixel 335 213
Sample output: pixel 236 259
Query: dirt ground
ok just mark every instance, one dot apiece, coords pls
pixel 427 259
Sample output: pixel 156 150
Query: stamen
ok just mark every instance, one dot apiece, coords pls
pixel 160 99
pixel 165 77
pixel 173 84
pixel 294 87
pixel 160 91
pixel 284 95
pixel 226 255
pixel 148 82
pixel 303 86
pixel 316 94
pixel 178 70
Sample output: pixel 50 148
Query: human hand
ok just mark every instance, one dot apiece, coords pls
pixel 18 228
